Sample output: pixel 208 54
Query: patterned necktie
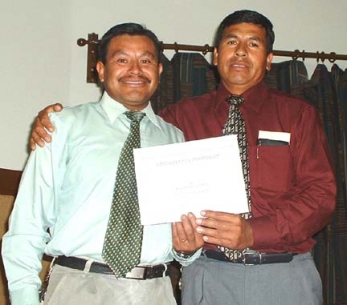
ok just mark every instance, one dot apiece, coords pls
pixel 236 125
pixel 123 239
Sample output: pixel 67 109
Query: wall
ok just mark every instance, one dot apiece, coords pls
pixel 42 64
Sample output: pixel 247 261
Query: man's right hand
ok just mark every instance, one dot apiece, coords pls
pixel 42 123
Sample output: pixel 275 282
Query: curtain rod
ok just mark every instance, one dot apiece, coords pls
pixel 332 56
pixel 93 41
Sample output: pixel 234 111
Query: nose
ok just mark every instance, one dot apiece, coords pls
pixel 241 50
pixel 135 68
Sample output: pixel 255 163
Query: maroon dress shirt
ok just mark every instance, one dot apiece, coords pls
pixel 292 186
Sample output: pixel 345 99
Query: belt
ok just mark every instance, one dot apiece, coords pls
pixel 251 258
pixel 138 272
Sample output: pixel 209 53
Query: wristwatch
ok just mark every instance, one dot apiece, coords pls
pixel 184 255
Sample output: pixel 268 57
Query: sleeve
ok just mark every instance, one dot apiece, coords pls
pixel 24 243
pixel 297 214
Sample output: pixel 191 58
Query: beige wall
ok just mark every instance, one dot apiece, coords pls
pixel 42 64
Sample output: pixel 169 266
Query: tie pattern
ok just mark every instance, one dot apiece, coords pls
pixel 123 239
pixel 236 125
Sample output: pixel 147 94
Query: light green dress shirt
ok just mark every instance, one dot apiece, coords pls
pixel 65 194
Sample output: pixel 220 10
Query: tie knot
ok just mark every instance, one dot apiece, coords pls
pixel 235 100
pixel 135 116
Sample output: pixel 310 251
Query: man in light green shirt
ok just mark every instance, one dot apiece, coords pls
pixel 63 204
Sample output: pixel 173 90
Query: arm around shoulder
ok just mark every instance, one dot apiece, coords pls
pixel 39 135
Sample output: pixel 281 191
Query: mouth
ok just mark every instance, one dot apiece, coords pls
pixel 134 81
pixel 239 65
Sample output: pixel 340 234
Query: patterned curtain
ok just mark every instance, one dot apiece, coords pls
pixel 283 76
pixel 189 74
pixel 164 94
pixel 193 75
pixel 328 92
pixel 333 96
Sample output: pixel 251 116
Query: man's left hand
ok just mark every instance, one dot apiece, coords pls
pixel 185 238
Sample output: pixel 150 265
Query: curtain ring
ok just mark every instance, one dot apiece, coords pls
pixel 176 47
pixel 161 44
pixel 296 54
pixel 303 55
pixel 206 49
pixel 318 57
pixel 322 56
pixel 332 57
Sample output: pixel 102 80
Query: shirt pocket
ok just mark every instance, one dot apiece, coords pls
pixel 273 167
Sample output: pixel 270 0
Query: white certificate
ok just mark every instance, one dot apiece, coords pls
pixel 175 179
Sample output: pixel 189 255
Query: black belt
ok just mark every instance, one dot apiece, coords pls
pixel 138 272
pixel 251 258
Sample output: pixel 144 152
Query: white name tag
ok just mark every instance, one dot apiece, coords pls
pixel 274 135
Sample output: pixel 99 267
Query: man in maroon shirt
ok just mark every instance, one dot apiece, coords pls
pixel 291 179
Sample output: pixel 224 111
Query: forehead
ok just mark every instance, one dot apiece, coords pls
pixel 131 43
pixel 245 29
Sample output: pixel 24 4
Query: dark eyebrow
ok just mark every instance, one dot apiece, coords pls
pixel 231 35
pixel 124 53
pixel 149 54
pixel 257 38
pixel 118 52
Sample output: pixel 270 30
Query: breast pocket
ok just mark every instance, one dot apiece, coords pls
pixel 273 167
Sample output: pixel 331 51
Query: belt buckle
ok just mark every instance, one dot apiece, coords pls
pixel 250 253
pixel 137 273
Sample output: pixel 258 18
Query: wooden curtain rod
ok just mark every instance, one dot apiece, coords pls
pixel 320 56
pixel 93 41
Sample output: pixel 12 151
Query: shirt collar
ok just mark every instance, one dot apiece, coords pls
pixel 114 109
pixel 254 97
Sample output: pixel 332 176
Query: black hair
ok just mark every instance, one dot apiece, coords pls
pixel 132 29
pixel 247 16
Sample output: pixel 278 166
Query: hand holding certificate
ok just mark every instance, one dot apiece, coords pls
pixel 187 177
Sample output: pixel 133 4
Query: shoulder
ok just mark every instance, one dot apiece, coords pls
pixel 283 97
pixel 74 119
pixel 297 112
pixel 70 114
pixel 170 130
pixel 289 101
pixel 190 105
pixel 197 102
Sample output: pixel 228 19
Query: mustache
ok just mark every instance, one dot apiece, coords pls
pixel 244 62
pixel 132 77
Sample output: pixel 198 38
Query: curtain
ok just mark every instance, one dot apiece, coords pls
pixel 327 91
pixel 189 74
